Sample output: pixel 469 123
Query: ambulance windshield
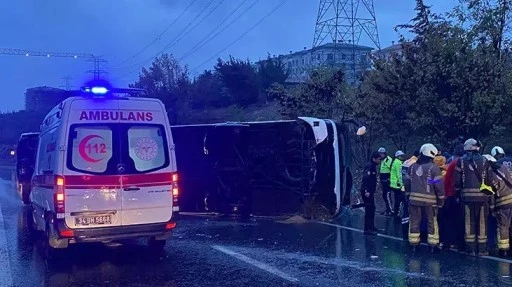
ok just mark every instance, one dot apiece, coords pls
pixel 102 148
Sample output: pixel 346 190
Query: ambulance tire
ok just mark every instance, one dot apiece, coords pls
pixel 49 252
pixel 156 246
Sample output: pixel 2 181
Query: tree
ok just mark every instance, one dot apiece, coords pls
pixel 239 80
pixel 207 91
pixel 168 81
pixel 271 71
pixel 323 96
pixel 448 81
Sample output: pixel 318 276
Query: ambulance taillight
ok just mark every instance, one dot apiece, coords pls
pixel 175 192
pixel 59 196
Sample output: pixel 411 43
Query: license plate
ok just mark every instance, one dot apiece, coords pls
pixel 89 220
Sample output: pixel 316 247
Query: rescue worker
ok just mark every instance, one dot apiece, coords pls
pixel 397 185
pixel 500 180
pixel 385 174
pixel 405 214
pixel 368 188
pixel 499 154
pixel 452 225
pixel 425 186
pixel 473 193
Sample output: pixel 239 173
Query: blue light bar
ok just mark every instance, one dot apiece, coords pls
pixel 99 90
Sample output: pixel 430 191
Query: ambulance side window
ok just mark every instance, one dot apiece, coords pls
pixel 147 147
pixel 91 148
pixel 47 154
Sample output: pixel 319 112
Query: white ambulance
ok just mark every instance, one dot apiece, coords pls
pixel 105 170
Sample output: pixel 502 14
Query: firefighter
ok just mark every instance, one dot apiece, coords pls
pixel 368 188
pixel 474 196
pixel 500 180
pixel 397 185
pixel 499 154
pixel 385 174
pixel 425 186
pixel 405 214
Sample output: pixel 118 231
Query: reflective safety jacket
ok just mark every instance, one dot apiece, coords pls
pixel 396 174
pixel 467 180
pixel 424 185
pixel 385 165
pixel 497 178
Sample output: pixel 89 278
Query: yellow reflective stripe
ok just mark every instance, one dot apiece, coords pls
pixel 424 195
pixel 504 202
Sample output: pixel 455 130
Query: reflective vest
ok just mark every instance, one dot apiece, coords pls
pixel 385 166
pixel 396 174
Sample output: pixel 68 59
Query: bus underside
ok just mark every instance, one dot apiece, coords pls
pixel 263 168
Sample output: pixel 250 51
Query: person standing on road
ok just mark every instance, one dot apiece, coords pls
pixel 470 172
pixel 500 179
pixel 452 225
pixel 385 174
pixel 405 214
pixel 368 189
pixel 397 185
pixel 425 186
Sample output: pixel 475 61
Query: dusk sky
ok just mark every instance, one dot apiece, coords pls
pixel 118 30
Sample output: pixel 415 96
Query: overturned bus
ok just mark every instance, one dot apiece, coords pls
pixel 264 168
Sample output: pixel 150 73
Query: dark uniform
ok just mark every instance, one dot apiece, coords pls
pixel 501 203
pixel 369 185
pixel 426 193
pixel 475 203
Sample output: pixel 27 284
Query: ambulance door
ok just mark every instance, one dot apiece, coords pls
pixel 92 181
pixel 147 185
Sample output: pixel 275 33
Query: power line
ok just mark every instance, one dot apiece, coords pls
pixel 161 34
pixel 243 34
pixel 97 71
pixel 210 36
pixel 180 35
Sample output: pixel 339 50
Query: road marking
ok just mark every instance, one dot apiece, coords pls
pixel 401 239
pixel 5 265
pixel 255 263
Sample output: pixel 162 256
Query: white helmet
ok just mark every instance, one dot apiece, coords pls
pixel 471 144
pixel 428 150
pixel 489 157
pixel 382 150
pixel 497 150
pixel 399 153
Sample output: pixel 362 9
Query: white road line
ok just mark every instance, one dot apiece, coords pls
pixel 400 239
pixel 5 265
pixel 255 263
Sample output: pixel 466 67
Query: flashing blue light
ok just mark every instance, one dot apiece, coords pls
pixel 98 90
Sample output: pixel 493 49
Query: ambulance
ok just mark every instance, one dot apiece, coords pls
pixel 105 171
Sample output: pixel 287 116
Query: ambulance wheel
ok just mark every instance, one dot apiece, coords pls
pixel 49 252
pixel 156 245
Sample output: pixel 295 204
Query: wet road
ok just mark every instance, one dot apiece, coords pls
pixel 208 251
